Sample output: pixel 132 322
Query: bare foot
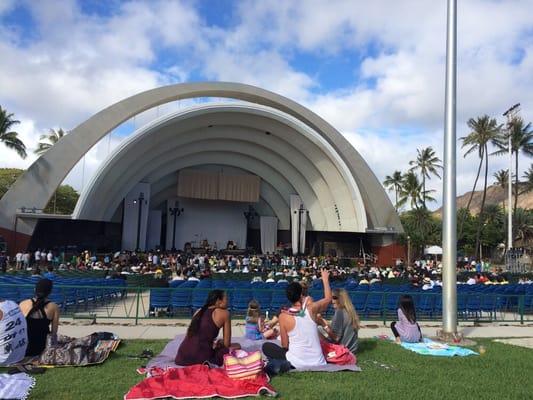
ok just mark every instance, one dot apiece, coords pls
pixel 398 340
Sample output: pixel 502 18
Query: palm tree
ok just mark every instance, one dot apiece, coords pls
pixel 523 222
pixel 47 141
pixel 528 184
pixel 412 192
pixel 485 130
pixel 8 137
pixel 521 142
pixel 394 182
pixel 428 163
pixel 502 180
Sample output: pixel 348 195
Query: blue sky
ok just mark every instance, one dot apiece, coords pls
pixel 375 70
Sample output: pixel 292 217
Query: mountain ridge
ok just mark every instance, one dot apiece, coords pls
pixel 495 195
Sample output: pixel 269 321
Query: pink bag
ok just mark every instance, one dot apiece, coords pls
pixel 337 354
pixel 240 364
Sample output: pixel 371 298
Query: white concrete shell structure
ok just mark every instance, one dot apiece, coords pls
pixel 290 148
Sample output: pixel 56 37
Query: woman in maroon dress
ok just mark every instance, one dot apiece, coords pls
pixel 199 344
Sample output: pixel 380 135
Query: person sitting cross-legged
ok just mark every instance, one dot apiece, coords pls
pixel 300 341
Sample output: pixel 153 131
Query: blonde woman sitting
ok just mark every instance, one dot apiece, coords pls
pixel 344 326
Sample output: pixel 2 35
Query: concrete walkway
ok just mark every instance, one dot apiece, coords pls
pixel 522 342
pixel 167 329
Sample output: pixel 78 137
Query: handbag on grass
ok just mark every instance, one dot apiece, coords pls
pixel 240 364
pixel 337 354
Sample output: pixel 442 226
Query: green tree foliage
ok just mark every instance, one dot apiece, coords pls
pixel 412 192
pixel 394 182
pixel 427 163
pixel 422 227
pixel 66 198
pixel 521 142
pixel 425 229
pixel 9 137
pixel 485 130
pixel 492 234
pixel 8 176
pixel 502 180
pixel 528 176
pixel 523 229
pixel 47 141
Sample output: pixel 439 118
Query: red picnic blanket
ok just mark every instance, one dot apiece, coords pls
pixel 198 381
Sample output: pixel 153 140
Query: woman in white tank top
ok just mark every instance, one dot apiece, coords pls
pixel 13 333
pixel 304 342
pixel 300 342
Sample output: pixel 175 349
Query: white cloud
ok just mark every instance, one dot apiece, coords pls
pixel 264 68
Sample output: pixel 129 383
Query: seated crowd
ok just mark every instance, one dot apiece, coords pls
pixel 181 265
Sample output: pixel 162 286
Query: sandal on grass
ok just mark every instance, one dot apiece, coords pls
pixel 28 368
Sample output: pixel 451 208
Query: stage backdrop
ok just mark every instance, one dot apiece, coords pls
pixel 215 220
pixel 208 185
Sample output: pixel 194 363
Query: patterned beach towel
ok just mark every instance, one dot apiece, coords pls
pixel 87 350
pixel 15 386
pixel 432 348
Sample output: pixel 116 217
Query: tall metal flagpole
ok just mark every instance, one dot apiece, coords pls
pixel 510 192
pixel 510 114
pixel 449 219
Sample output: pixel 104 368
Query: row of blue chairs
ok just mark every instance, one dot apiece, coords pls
pixel 66 293
pixel 370 304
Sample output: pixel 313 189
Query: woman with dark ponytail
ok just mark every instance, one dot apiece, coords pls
pixel 42 317
pixel 199 344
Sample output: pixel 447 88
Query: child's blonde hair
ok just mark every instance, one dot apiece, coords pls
pixel 254 311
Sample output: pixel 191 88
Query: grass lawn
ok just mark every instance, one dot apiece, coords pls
pixel 504 372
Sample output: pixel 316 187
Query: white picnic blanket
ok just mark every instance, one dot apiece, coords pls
pixel 16 386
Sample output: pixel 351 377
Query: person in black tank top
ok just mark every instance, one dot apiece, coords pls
pixel 199 343
pixel 38 328
pixel 37 321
